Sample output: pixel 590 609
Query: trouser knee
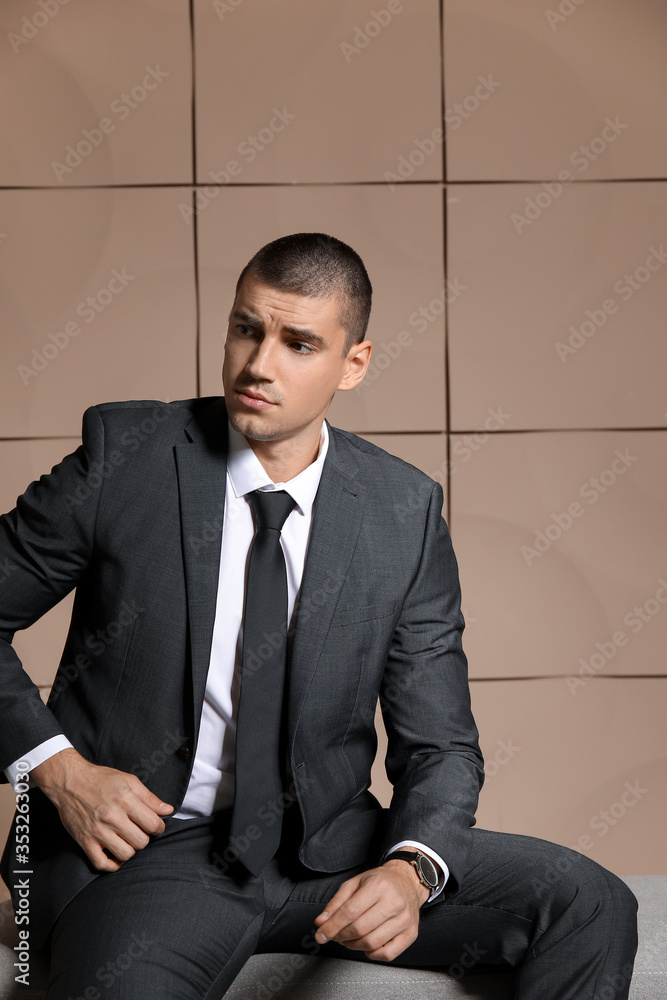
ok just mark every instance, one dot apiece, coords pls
pixel 570 879
pixel 610 891
pixel 561 874
pixel 623 896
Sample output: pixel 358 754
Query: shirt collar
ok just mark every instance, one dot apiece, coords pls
pixel 246 472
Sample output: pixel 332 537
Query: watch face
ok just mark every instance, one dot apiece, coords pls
pixel 427 868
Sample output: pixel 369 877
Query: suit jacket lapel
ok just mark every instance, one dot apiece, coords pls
pixel 201 464
pixel 337 517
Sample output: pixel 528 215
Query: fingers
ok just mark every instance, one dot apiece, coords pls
pixel 393 948
pixel 379 936
pixel 145 819
pixel 349 914
pixel 152 801
pixel 113 813
pixel 343 893
pixel 111 832
pixel 141 805
pixel 123 839
pixel 372 929
pixel 124 819
pixel 135 809
pixel 96 854
pixel 370 913
pixel 128 825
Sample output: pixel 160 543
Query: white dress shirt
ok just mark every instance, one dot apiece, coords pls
pixel 211 785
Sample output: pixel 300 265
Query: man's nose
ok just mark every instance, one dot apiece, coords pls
pixel 262 361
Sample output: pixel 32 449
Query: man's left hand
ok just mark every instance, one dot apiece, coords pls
pixel 376 912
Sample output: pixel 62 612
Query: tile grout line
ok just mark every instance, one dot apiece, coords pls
pixel 443 91
pixel 193 106
pixel 557 677
pixel 448 397
pixel 525 430
pixel 195 220
pixel 445 258
pixel 423 433
pixel 329 184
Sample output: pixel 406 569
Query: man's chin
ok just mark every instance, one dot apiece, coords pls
pixel 253 426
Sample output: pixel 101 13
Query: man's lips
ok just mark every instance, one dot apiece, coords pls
pixel 254 400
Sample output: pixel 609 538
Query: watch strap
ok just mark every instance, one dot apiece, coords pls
pixel 411 857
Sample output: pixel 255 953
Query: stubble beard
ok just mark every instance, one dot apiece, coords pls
pixel 245 424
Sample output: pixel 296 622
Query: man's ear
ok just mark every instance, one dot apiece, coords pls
pixel 358 360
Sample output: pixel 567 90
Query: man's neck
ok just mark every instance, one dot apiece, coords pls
pixel 283 460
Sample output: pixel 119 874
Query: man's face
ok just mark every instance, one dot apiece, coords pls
pixel 284 361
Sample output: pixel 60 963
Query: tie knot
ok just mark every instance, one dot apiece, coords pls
pixel 271 507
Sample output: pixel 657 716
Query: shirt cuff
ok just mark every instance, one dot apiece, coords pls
pixel 35 757
pixel 443 870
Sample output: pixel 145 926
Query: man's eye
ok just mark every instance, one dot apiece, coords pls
pixel 307 348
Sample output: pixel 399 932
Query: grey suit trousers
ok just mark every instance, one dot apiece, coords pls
pixel 176 921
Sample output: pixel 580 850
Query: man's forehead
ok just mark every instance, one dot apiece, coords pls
pixel 260 304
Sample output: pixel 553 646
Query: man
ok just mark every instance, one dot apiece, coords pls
pixel 249 581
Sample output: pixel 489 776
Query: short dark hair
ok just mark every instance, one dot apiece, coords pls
pixel 321 267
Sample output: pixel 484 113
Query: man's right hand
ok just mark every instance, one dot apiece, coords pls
pixel 101 807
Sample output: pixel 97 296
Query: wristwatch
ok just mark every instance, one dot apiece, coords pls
pixel 426 870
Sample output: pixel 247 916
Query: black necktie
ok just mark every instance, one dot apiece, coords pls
pixel 256 818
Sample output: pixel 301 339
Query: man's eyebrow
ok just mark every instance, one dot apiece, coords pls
pixel 297 331
pixel 246 317
pixel 305 334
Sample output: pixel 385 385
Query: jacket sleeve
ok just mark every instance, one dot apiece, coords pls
pixel 46 544
pixel 433 757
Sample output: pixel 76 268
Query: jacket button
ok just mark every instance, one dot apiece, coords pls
pixel 184 752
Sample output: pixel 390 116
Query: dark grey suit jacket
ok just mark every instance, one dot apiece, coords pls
pixel 133 520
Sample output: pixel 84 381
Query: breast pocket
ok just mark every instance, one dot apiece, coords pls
pixel 353 614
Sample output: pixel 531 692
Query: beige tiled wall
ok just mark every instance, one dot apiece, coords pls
pixel 553 74
pixel 315 95
pixel 563 552
pixel 565 301
pixel 100 303
pixel 100 93
pixel 150 147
